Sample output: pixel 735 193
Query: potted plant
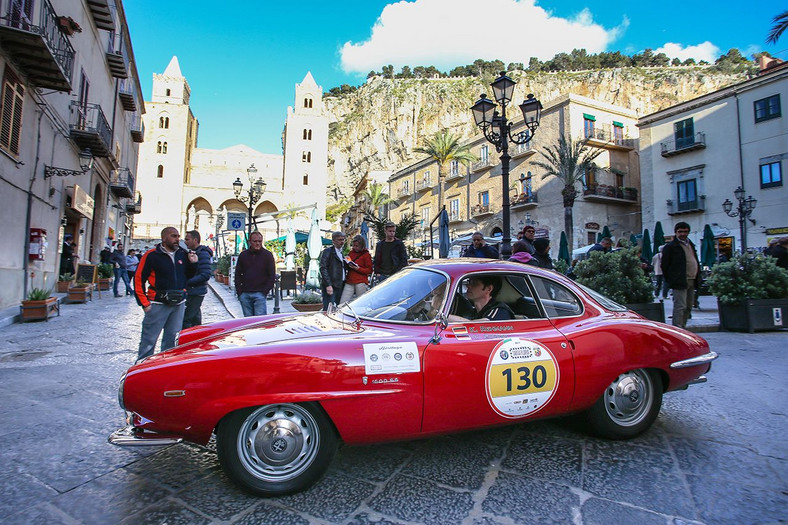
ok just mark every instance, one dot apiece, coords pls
pixel 39 305
pixel 80 292
pixel 223 267
pixel 64 281
pixel 308 301
pixel 752 293
pixel 618 275
pixel 105 273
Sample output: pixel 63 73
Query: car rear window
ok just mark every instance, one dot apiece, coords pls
pixel 557 299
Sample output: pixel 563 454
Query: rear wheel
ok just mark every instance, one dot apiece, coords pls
pixel 629 405
pixel 276 449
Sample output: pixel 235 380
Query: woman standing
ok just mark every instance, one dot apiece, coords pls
pixel 359 265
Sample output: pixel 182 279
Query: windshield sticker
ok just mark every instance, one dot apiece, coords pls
pixel 522 377
pixel 391 358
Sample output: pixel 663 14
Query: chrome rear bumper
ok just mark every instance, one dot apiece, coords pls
pixel 695 361
pixel 133 437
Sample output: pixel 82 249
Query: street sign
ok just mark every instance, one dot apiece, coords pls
pixel 236 221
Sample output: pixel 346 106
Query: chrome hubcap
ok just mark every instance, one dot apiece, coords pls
pixel 278 442
pixel 628 399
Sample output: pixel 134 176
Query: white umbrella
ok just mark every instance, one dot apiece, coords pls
pixel 290 246
pixel 313 245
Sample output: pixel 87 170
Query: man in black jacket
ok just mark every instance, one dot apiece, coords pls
pixel 160 288
pixel 332 270
pixel 255 275
pixel 390 254
pixel 197 286
pixel 680 268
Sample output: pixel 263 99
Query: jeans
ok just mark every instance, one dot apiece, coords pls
pixel 253 303
pixel 351 290
pixel 662 285
pixel 160 317
pixel 121 273
pixel 682 304
pixel 192 315
pixel 333 298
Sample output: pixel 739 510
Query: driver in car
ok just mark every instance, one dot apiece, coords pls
pixel 480 292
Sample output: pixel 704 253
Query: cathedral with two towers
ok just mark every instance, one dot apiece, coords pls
pixel 191 188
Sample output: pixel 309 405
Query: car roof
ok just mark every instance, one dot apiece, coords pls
pixel 456 267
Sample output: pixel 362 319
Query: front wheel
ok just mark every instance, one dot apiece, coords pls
pixel 276 449
pixel 629 405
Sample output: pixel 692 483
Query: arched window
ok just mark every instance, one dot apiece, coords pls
pixel 307 134
pixel 158 147
pixel 306 179
pixel 160 171
pixel 164 147
pixel 308 102
pixel 306 156
pixel 167 92
pixel 164 122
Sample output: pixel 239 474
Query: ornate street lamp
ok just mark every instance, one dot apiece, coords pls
pixel 498 131
pixel 254 193
pixel 743 211
pixel 85 163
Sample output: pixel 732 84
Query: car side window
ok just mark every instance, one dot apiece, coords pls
pixel 557 300
pixel 519 298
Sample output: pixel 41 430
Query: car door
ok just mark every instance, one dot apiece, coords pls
pixel 483 372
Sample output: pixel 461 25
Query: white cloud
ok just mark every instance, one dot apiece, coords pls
pixel 447 33
pixel 705 51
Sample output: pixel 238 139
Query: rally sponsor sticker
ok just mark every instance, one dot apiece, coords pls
pixel 522 377
pixel 391 358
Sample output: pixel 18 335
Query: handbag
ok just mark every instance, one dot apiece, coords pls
pixel 170 297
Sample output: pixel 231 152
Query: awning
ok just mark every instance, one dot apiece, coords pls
pixel 589 117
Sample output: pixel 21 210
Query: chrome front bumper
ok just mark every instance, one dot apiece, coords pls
pixel 134 437
pixel 695 361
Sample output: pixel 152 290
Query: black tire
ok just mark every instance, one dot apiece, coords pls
pixel 276 449
pixel 629 405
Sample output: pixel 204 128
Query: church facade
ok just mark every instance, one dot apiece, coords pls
pixel 191 188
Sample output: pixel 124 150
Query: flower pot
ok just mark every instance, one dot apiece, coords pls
pixel 79 294
pixel 308 307
pixel 62 286
pixel 753 315
pixel 104 283
pixel 38 310
pixel 652 311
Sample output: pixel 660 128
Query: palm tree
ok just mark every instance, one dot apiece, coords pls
pixel 568 161
pixel 779 24
pixel 445 147
pixel 376 197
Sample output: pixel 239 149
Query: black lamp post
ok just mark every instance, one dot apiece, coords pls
pixel 743 211
pixel 498 131
pixel 255 191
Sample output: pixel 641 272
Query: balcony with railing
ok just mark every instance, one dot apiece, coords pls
pixel 484 164
pixel 134 206
pixel 523 150
pixel 137 128
pixel 424 184
pixel 610 194
pixel 683 145
pixel 605 136
pixel 31 34
pixel 480 210
pixel 117 58
pixel 101 11
pixel 454 216
pixel 126 94
pixel 404 191
pixel 90 129
pixel 121 183
pixel 524 201
pixel 697 205
pixel 453 175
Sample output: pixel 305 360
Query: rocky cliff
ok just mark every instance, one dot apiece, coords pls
pixel 377 126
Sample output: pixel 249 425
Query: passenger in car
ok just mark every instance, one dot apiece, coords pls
pixel 480 292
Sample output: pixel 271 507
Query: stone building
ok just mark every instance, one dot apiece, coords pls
pixel 695 154
pixel 192 188
pixel 473 194
pixel 71 123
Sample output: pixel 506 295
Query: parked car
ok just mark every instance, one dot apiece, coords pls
pixel 280 392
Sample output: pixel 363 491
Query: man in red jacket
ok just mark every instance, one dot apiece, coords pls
pixel 160 288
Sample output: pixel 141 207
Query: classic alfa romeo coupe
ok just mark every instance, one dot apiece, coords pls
pixel 407 359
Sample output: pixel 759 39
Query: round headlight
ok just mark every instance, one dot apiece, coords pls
pixel 120 391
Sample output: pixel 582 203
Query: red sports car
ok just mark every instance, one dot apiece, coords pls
pixel 410 358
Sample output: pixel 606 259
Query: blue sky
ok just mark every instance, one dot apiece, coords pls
pixel 242 64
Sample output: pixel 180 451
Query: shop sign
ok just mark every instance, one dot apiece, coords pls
pixel 776 231
pixel 82 203
pixel 592 226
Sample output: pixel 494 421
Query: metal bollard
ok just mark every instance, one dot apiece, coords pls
pixel 276 294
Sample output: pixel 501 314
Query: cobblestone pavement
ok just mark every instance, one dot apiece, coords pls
pixel 717 453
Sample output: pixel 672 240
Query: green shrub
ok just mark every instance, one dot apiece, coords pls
pixel 308 297
pixel 748 277
pixel 66 277
pixel 616 275
pixel 223 265
pixel 106 270
pixel 38 294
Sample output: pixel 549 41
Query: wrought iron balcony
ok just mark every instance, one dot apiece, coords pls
pixel 116 56
pixel 31 35
pixel 524 200
pixel 126 95
pixel 480 209
pixel 404 192
pixel 683 145
pixel 121 183
pixel 482 165
pixel 604 136
pixel 137 128
pixel 454 216
pixel 90 129
pixel 424 184
pixel 523 150
pixel 134 206
pixel 696 205
pixel 452 175
pixel 611 194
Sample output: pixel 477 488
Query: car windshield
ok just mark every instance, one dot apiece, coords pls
pixel 412 294
pixel 604 301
